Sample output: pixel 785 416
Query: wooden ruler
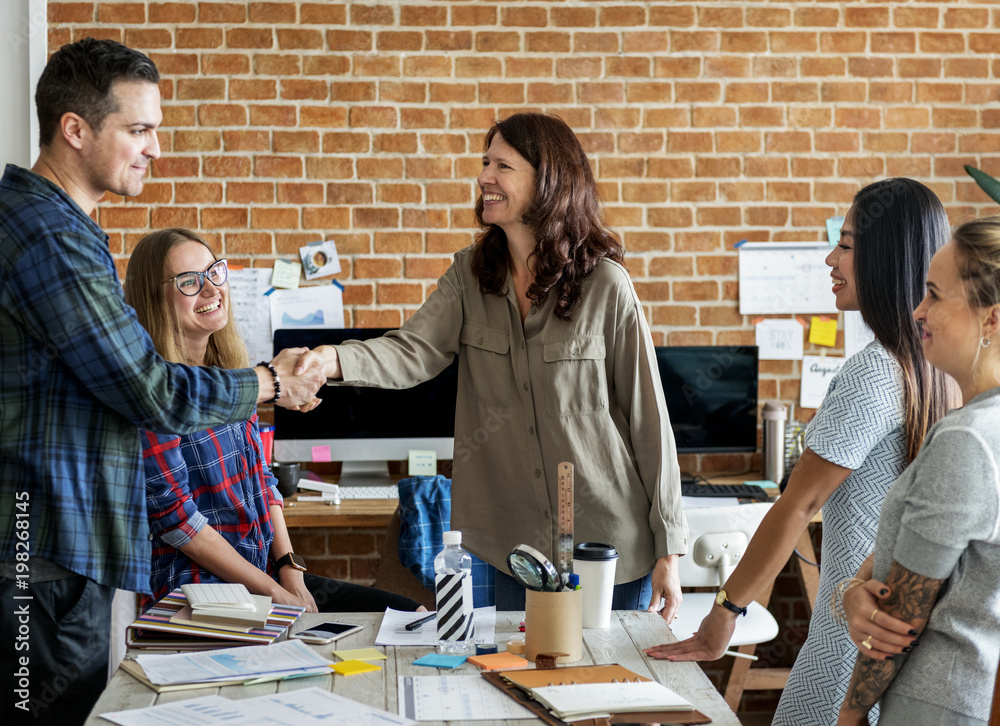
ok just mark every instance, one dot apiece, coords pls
pixel 565 520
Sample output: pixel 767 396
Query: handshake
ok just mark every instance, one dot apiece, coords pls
pixel 302 372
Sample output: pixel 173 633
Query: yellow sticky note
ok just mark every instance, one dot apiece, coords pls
pixel 286 274
pixel 360 654
pixel 823 332
pixel 350 667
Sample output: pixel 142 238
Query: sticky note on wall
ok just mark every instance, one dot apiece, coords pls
pixel 823 331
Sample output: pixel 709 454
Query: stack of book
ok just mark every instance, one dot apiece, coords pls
pixel 185 619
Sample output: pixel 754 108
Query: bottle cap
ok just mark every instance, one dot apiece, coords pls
pixel 452 537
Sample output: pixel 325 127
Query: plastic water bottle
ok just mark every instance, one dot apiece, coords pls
pixel 453 596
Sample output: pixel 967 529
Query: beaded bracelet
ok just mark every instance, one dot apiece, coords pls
pixel 277 381
pixel 837 597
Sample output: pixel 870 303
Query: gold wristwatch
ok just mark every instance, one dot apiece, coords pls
pixel 721 598
pixel 292 560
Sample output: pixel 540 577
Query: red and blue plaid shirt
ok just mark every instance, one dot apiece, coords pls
pixel 217 477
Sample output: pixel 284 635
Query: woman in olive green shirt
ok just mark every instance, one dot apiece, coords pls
pixel 556 364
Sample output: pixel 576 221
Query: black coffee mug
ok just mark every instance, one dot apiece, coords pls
pixel 288 477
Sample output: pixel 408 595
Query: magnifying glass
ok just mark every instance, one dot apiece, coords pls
pixel 532 569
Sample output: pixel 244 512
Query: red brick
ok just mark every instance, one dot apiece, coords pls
pixel 300 193
pixel 444 143
pixel 866 17
pixel 915 17
pixel 251 243
pixel 530 17
pixel 249 38
pixel 380 168
pixel 373 116
pixel 281 166
pixel 792 141
pixel 147 38
pixel 788 191
pixel 869 67
pixel 502 93
pixel 766 217
pixel 173 216
pixel 372 15
pixel 271 218
pixel 966 18
pixel 223 217
pixel 192 140
pixel 979 143
pixel 682 67
pixel 837 92
pixel 671 168
pixel 697 92
pixel 942 43
pixel 251 140
pixel 648 42
pixel 801 42
pixel 250 88
pixel 741 191
pixel 546 93
pixel 398 242
pixel 222 115
pixel 863 118
pixel 869 167
pixel 720 217
pixel 322 14
pixel 890 92
pixel 272 115
pixel 272 64
pixel 198 38
pixel 595 43
pixel 743 42
pixel 349 193
pixel 350 40
pixel 299 39
pixel 823 66
pixel 674 315
pixel 629 67
pixel 939 92
pixel 966 68
pixel 713 17
pixel 738 141
pixel 741 93
pixel 439 40
pixel 121 13
pixel 816 17
pixel 473 15
pixel 843 42
pixel 477 67
pixel 226 166
pixel 323 116
pixel 885 142
pixel 487 42
pixel 644 192
pixel 326 218
pixel 919 67
pixel 778 66
pixel 948 118
pixel 250 192
pixel 727 67
pixel 799 117
pixel 700 41
pixel 423 15
pixel 766 166
pixel 907 118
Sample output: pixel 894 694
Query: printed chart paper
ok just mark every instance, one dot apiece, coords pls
pixel 456 698
pixel 252 311
pixel 321 306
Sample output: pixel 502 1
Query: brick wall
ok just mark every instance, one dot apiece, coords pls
pixel 707 123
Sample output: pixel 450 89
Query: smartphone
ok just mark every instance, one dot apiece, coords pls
pixel 327 632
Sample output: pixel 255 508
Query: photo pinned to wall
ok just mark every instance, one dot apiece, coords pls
pixel 319 259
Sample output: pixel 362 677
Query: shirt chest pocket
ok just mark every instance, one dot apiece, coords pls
pixel 575 379
pixel 487 354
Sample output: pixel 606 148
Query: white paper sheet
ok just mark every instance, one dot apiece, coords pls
pixel 294 708
pixel 817 372
pixel 857 334
pixel 228 663
pixel 392 630
pixel 779 339
pixel 708 502
pixel 252 311
pixel 319 306
pixel 785 277
pixel 456 698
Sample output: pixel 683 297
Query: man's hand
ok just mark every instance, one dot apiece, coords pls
pixel 666 587
pixel 709 643
pixel 298 391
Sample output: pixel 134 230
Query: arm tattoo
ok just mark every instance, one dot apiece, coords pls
pixel 912 598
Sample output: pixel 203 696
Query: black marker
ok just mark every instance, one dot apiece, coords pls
pixel 417 623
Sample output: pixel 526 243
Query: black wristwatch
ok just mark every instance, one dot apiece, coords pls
pixel 291 559
pixel 721 598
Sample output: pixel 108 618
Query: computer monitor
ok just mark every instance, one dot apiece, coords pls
pixel 711 394
pixel 366 427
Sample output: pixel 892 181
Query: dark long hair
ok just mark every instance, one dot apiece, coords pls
pixel 898 225
pixel 570 236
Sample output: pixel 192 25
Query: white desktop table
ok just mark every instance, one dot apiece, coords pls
pixel 622 643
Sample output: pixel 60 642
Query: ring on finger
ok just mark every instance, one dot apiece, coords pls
pixel 874 613
pixel 867 642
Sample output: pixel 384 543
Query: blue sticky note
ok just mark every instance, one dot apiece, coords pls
pixel 833 225
pixel 763 484
pixel 435 660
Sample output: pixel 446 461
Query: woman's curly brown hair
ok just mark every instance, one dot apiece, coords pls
pixel 570 236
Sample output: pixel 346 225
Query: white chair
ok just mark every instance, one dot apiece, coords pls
pixel 718 539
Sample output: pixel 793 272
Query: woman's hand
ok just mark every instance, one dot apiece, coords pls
pixel 666 587
pixel 709 643
pixel 849 717
pixel 293 585
pixel 869 625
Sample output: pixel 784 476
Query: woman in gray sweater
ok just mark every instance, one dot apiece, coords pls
pixel 926 616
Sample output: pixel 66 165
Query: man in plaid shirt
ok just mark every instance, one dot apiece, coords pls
pixel 78 377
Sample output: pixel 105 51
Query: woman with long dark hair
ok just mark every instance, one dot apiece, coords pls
pixel 556 363
pixel 874 417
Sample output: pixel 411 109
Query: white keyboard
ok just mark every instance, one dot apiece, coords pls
pixel 377 492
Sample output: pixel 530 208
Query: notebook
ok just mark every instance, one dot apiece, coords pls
pixel 589 700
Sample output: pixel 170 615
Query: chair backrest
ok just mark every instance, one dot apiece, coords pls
pixel 717 538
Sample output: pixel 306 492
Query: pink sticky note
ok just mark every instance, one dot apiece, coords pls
pixel 321 453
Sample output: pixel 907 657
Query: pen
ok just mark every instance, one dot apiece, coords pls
pixel 417 623
pixel 737 654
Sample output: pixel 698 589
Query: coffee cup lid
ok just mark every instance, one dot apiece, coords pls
pixel 594 551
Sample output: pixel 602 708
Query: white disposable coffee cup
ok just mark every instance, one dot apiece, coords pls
pixel 595 563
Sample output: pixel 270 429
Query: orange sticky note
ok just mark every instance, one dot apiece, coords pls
pixel 823 332
pixel 498 661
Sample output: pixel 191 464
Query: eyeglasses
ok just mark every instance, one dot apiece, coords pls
pixel 191 283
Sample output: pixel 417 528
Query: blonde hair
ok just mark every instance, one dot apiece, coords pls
pixel 146 292
pixel 978 245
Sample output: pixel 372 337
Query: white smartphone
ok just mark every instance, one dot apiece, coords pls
pixel 327 632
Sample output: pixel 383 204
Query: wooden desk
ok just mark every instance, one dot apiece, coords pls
pixel 349 513
pixel 622 643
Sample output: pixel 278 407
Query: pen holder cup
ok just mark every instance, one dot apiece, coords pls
pixel 553 623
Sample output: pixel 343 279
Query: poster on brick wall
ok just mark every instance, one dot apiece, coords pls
pixel 785 277
pixel 252 310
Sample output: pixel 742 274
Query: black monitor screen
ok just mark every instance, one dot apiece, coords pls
pixel 349 412
pixel 711 394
